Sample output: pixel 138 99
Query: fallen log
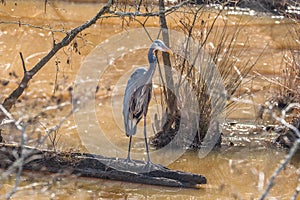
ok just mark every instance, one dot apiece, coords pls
pixel 96 166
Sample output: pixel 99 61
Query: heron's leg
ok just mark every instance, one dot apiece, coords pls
pixel 146 141
pixel 129 146
pixel 149 164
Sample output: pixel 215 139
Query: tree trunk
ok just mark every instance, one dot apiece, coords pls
pixel 172 112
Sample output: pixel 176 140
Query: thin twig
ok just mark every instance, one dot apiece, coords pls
pixel 23 63
pixel 20 163
pixel 11 118
pixel 45 6
pixel 139 6
pixel 280 168
pixel 144 27
pixel 274 82
pixel 19 23
pixel 296 193
pixel 151 14
pixel 289 155
pixel 187 45
pixel 26 155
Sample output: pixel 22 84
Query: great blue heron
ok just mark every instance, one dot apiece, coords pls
pixel 138 94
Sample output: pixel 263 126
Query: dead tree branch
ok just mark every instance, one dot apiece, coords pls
pixel 90 165
pixel 12 98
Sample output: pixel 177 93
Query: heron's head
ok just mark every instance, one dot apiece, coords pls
pixel 159 45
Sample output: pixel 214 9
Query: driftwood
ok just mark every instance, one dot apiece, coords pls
pixel 90 165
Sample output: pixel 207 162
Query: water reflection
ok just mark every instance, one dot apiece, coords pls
pixel 235 172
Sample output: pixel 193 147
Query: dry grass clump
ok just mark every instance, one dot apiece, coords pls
pixel 287 95
pixel 285 98
pixel 287 85
pixel 216 53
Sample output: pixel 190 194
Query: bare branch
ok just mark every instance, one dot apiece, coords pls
pixel 10 117
pixel 294 197
pixel 45 6
pixel 280 168
pixel 23 63
pixel 20 161
pixel 19 23
pixel 25 154
pixel 289 155
pixel 12 98
pixel 19 165
pixel 151 14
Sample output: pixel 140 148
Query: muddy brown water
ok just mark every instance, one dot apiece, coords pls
pixel 234 172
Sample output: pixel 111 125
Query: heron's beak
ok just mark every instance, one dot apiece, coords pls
pixel 169 51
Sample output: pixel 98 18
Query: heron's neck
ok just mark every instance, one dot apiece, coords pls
pixel 152 63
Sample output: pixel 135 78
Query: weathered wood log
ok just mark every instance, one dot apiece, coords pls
pixel 91 165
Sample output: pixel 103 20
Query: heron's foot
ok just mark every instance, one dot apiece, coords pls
pixel 150 166
pixel 129 162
